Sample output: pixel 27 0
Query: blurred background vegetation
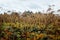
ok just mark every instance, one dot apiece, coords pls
pixel 30 26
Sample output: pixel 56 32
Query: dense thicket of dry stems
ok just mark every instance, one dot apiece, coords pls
pixel 29 26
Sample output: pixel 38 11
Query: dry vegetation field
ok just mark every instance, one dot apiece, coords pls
pixel 29 26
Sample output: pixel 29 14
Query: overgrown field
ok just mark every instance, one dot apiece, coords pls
pixel 29 26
